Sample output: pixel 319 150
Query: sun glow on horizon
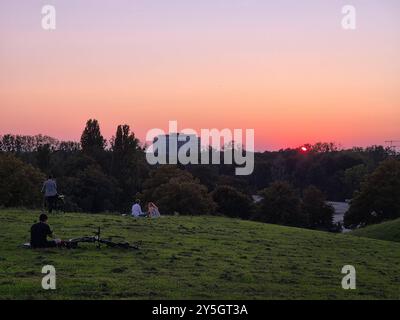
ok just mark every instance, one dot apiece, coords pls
pixel 293 76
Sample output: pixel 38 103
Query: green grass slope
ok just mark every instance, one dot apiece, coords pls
pixel 194 258
pixel 389 231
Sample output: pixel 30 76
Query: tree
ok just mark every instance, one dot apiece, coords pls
pixel 353 177
pixel 207 174
pixel 26 144
pixel 281 205
pixel 124 143
pixel 128 165
pixel 20 183
pixel 92 141
pixel 175 190
pixel 379 197
pixel 93 191
pixel 43 157
pixel 319 214
pixel 162 175
pixel 324 147
pixel 231 202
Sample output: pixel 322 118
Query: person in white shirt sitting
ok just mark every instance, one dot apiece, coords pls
pixel 137 210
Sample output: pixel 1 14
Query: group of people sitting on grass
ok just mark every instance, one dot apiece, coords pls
pixel 40 231
pixel 152 210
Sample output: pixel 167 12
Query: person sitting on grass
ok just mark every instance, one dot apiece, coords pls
pixel 39 233
pixel 137 210
pixel 153 211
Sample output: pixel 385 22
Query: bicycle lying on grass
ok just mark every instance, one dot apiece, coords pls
pixel 73 243
pixel 96 238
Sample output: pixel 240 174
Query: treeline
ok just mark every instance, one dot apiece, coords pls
pixel 97 175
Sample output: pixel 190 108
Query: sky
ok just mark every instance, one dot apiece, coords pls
pixel 285 68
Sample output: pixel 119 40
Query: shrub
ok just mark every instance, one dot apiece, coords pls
pixel 231 202
pixel 281 205
pixel 20 183
pixel 379 197
pixel 319 214
pixel 176 191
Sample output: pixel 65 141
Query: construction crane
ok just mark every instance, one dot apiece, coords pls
pixel 392 144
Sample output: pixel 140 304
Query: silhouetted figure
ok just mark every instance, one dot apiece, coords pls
pixel 39 233
pixel 50 193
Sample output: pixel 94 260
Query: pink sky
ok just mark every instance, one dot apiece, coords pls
pixel 284 68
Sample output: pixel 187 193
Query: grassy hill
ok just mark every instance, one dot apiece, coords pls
pixel 194 257
pixel 389 231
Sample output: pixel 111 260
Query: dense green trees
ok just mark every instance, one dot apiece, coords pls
pixel 20 183
pixel 128 166
pixel 177 191
pixel 324 166
pixel 319 214
pixel 232 203
pixel 94 191
pixel 379 198
pixel 93 177
pixel 281 205
pixel 92 142
pixel 98 175
pixel 353 177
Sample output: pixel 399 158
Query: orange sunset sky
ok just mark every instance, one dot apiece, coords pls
pixel 284 68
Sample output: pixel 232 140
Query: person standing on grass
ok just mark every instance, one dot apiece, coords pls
pixel 50 192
